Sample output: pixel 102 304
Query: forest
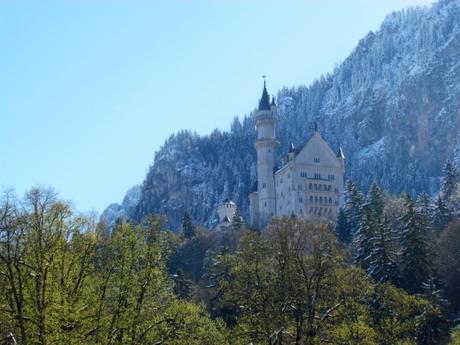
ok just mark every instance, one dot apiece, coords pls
pixel 387 273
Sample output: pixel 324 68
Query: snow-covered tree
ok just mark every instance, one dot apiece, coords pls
pixel 416 256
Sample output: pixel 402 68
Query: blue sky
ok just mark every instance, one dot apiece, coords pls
pixel 89 90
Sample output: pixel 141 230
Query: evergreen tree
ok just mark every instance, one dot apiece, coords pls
pixel 237 221
pixel 434 325
pixel 449 181
pixel 364 237
pixel 354 200
pixel 188 229
pixel 182 286
pixel 383 257
pixel 376 201
pixel 441 216
pixel 416 265
pixel 342 230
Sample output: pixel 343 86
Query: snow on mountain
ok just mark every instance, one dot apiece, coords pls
pixel 393 106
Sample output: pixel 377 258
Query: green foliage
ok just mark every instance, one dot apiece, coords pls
pixel 449 181
pixel 354 201
pixel 455 337
pixel 188 229
pixel 63 284
pixel 448 263
pixel 342 230
pixel 416 255
pixel 237 221
pixel 291 285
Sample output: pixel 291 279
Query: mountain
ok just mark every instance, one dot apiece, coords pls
pixel 393 106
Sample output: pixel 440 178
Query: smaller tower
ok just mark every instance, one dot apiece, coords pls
pixel 226 211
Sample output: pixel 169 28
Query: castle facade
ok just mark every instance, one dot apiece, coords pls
pixel 308 185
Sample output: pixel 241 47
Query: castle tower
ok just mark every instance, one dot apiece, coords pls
pixel 266 145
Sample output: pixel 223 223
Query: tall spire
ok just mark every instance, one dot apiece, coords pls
pixel 264 103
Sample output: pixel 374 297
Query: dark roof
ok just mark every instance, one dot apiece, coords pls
pixel 340 153
pixel 227 200
pixel 273 101
pixel 264 103
pixel 292 148
pixel 226 219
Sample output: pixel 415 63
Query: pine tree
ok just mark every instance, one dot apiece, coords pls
pixel 364 236
pixel 376 201
pixel 342 230
pixel 182 286
pixel 237 221
pixel 416 264
pixel 354 201
pixel 449 181
pixel 441 216
pixel 383 257
pixel 434 325
pixel 188 229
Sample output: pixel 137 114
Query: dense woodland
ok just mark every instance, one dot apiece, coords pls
pixel 387 273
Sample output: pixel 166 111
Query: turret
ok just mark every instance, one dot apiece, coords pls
pixel 341 156
pixel 291 153
pixel 226 209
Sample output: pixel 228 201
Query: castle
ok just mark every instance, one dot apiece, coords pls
pixel 308 185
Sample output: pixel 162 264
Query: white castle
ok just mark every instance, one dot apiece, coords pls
pixel 308 185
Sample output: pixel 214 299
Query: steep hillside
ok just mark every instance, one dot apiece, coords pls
pixel 393 105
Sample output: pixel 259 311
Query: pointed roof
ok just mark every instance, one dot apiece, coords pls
pixel 340 153
pixel 264 103
pixel 273 101
pixel 226 220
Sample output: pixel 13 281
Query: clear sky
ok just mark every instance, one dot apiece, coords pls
pixel 89 90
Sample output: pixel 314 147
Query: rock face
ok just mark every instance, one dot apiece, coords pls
pixel 393 105
pixel 126 210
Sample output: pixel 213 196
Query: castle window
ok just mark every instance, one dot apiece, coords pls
pixel 316 160
pixel 329 188
pixel 316 186
pixel 289 175
pixel 336 190
pixel 310 186
pixel 331 177
pixel 311 198
pixel 325 187
pixel 317 176
pixel 316 198
pixel 300 200
pixel 330 200
pixel 265 204
pixel 320 187
pixel 264 185
pixel 320 199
